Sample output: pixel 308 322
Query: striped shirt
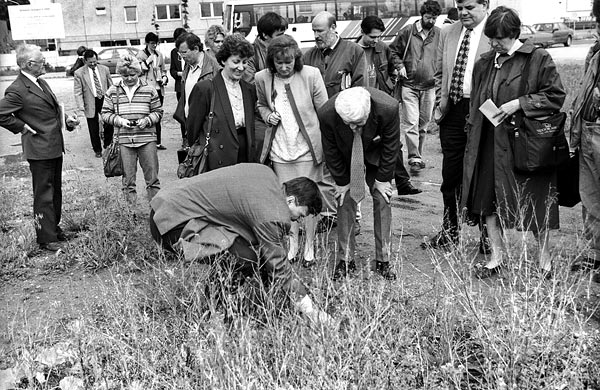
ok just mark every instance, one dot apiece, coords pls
pixel 143 104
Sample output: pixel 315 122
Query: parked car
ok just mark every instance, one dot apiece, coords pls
pixel 539 38
pixel 561 33
pixel 111 55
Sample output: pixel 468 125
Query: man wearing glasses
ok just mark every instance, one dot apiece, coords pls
pixel 30 107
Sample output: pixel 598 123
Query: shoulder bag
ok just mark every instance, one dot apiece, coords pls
pixel 111 157
pixel 195 162
pixel 538 144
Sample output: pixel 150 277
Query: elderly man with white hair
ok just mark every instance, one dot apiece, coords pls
pixel 359 129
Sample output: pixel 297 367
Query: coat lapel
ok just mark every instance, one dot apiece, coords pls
pixel 223 101
pixel 36 90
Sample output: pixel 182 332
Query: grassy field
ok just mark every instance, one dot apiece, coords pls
pixel 162 323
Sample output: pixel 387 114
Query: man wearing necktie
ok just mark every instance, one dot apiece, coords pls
pixel 30 107
pixel 360 132
pixel 460 46
pixel 90 82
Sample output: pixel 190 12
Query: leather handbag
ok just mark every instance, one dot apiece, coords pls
pixel 111 157
pixel 195 162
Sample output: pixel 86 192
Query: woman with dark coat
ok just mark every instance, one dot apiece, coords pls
pixel 492 190
pixel 232 133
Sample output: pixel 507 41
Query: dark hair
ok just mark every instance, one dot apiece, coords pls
pixel 503 22
pixel 478 1
pixel 596 9
pixel 151 37
pixel 89 53
pixel 234 44
pixel 453 13
pixel 284 45
pixel 371 22
pixel 270 23
pixel 191 40
pixel 431 7
pixel 81 50
pixel 178 32
pixel 306 192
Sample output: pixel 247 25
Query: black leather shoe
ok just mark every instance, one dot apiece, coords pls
pixel 442 240
pixel 343 269
pixel 51 246
pixel 483 272
pixel 408 189
pixel 384 270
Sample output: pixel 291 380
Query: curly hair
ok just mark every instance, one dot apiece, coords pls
pixel 284 46
pixel 431 7
pixel 234 44
pixel 128 62
pixel 211 35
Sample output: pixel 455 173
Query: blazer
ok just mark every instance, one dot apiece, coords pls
pixel 25 103
pixel 175 68
pixel 380 136
pixel 446 57
pixel 223 146
pixel 309 93
pixel 82 88
pixel 210 68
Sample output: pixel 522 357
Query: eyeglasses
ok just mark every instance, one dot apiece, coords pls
pixel 43 61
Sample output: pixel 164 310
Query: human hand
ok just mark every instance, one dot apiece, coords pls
pixel 274 118
pixel 402 72
pixel 122 122
pixel 72 121
pixel 385 188
pixel 508 109
pixel 27 129
pixel 143 123
pixel 340 193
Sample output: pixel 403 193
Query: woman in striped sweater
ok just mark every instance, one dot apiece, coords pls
pixel 134 109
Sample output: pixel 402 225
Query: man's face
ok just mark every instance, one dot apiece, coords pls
pixel 92 62
pixel 189 56
pixel 356 124
pixel 296 211
pixel 152 46
pixel 275 34
pixel 372 37
pixel 428 21
pixel 37 64
pixel 324 34
pixel 471 13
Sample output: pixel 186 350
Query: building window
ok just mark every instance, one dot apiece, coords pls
pixel 131 14
pixel 211 10
pixel 168 12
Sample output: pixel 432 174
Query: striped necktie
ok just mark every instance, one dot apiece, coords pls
pixel 357 168
pixel 97 85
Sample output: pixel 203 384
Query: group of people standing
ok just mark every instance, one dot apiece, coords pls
pixel 326 122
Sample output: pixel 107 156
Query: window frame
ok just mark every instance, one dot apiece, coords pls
pixel 136 13
pixel 212 10
pixel 168 9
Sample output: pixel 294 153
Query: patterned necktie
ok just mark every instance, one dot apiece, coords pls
pixel 97 85
pixel 458 74
pixel 357 168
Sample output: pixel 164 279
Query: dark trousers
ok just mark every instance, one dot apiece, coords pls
pixel 401 176
pixel 178 94
pixel 382 223
pixel 158 126
pixel 453 140
pixel 47 197
pixel 94 129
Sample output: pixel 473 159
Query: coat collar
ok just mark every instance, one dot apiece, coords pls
pixel 33 88
pixel 527 48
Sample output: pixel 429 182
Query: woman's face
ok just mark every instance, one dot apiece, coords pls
pixel 130 78
pixel 234 67
pixel 502 45
pixel 218 42
pixel 284 65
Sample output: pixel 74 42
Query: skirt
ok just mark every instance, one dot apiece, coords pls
pixel 288 171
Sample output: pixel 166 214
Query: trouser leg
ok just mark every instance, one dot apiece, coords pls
pixel 149 163
pixel 158 125
pixel 94 130
pixel 382 220
pixel 129 157
pixel 346 218
pixel 47 197
pixel 327 188
pixel 426 104
pixel 410 122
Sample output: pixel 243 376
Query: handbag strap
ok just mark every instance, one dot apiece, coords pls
pixel 290 96
pixel 525 73
pixel 407 43
pixel 211 115
pixel 116 137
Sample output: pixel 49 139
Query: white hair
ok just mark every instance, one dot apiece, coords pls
pixel 25 53
pixel 353 104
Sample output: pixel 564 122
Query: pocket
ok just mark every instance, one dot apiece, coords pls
pixel 539 153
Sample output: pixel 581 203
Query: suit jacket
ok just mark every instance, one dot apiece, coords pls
pixel 380 136
pixel 223 147
pixel 174 68
pixel 25 103
pixel 210 68
pixel 446 57
pixel 82 88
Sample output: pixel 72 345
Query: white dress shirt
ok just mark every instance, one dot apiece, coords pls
pixel 97 94
pixel 472 56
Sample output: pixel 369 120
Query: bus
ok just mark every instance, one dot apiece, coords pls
pixel 241 16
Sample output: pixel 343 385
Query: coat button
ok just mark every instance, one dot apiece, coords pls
pixel 220 162
pixel 220 146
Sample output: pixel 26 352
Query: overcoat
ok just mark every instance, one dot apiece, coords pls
pixel 516 194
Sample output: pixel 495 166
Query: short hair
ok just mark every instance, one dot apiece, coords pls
pixel 81 50
pixel 453 13
pixel 353 104
pixel 191 40
pixel 178 32
pixel 596 9
pixel 503 22
pixel 270 23
pixel 284 45
pixel 431 7
pixel 234 44
pixel 89 53
pixel 487 2
pixel 151 37
pixel 370 23
pixel 211 34
pixel 128 62
pixel 306 192
pixel 25 53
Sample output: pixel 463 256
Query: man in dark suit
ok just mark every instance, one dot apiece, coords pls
pixel 89 85
pixel 30 107
pixel 360 131
pixel 176 70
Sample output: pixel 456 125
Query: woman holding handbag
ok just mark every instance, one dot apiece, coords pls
pixel 522 82
pixel 231 136
pixel 289 94
pixel 134 109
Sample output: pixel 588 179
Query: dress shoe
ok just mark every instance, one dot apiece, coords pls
pixel 442 240
pixel 408 189
pixel 51 246
pixel 98 155
pixel 483 272
pixel 326 223
pixel 343 268
pixel 383 269
pixel 161 147
pixel 417 165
